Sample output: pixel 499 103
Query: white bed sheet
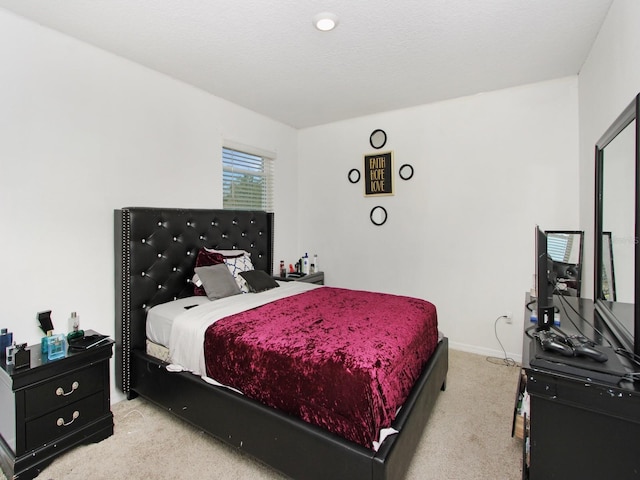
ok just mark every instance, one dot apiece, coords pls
pixel 161 317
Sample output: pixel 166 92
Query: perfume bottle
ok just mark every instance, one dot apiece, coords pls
pixel 44 343
pixel 56 346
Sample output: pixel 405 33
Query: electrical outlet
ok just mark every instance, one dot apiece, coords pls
pixel 508 318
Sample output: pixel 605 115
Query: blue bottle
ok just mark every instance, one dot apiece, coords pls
pixel 6 340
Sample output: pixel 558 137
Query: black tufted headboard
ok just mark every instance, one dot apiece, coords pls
pixel 155 254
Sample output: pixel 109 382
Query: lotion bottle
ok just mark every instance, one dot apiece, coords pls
pixel 74 322
pixel 305 264
pixel 74 327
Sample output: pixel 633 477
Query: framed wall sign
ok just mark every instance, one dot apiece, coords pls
pixel 378 174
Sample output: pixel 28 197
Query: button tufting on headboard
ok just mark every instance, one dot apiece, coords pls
pixel 152 268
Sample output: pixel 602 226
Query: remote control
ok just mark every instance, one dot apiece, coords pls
pixel 551 341
pixel 583 347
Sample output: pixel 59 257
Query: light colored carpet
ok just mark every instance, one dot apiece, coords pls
pixel 467 437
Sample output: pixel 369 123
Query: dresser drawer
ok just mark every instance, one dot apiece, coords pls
pixel 64 390
pixel 64 421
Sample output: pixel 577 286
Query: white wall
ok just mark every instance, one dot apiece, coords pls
pixel 608 81
pixel 460 233
pixel 83 132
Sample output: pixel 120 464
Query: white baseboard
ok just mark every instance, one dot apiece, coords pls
pixel 487 352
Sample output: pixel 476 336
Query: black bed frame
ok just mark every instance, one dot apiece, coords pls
pixel 155 252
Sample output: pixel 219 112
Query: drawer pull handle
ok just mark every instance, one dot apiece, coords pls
pixel 60 392
pixel 61 422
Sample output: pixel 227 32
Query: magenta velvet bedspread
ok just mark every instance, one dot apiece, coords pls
pixel 344 360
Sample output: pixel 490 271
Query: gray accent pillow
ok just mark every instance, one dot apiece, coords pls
pixel 217 281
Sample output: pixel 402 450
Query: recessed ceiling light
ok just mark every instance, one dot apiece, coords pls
pixel 325 21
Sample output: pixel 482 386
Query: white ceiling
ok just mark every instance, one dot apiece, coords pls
pixel 384 55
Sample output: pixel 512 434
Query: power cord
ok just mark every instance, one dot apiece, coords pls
pixel 564 303
pixel 506 361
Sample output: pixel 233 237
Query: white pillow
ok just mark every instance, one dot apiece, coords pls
pixel 237 265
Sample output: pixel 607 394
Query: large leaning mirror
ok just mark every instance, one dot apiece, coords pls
pixel 565 249
pixel 616 233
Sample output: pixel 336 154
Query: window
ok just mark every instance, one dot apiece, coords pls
pixel 247 181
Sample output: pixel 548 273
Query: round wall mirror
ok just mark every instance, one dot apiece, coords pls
pixel 378 215
pixel 378 138
pixel 354 175
pixel 406 171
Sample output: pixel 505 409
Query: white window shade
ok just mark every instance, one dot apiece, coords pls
pixel 559 247
pixel 247 181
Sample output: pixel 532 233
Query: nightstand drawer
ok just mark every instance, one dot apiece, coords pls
pixel 63 390
pixel 52 406
pixel 64 421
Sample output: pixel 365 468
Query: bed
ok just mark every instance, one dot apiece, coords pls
pixel 155 252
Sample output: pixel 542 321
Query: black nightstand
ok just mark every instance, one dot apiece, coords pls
pixel 317 278
pixel 52 406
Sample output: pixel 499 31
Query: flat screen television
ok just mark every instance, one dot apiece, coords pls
pixel 544 282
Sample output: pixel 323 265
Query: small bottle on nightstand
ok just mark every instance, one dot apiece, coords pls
pixel 74 327
pixel 6 340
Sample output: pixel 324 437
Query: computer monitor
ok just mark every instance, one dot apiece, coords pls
pixel 544 282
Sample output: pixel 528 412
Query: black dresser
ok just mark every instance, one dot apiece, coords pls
pixel 52 406
pixel 584 422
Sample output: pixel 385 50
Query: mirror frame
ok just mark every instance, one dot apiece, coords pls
pixel 383 212
pixel 606 309
pixel 405 172
pixel 378 138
